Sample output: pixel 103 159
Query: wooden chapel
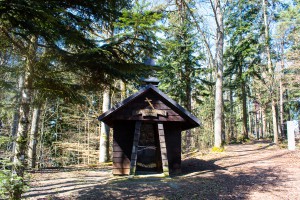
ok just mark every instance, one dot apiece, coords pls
pixel 147 132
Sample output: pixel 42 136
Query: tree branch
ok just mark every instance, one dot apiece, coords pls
pixel 215 14
pixel 202 33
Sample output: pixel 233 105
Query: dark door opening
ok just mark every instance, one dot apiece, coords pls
pixel 148 153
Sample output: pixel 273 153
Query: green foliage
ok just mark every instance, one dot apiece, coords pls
pixel 68 57
pixel 242 60
pixel 10 183
pixel 56 20
pixel 234 141
pixel 243 30
pixel 139 26
pixel 242 139
pixel 184 75
pixel 182 70
pixel 139 19
pixel 4 141
pixel 288 35
pixel 283 144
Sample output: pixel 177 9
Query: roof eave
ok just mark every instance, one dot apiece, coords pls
pixel 193 121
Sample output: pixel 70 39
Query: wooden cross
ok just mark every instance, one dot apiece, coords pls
pixel 149 101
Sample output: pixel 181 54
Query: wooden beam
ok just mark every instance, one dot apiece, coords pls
pixel 163 149
pixel 136 139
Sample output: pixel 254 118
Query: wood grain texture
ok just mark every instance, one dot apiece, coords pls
pixel 150 97
pixel 124 120
pixel 122 145
pixel 163 150
pixel 136 136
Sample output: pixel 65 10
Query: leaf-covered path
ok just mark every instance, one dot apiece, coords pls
pixel 250 171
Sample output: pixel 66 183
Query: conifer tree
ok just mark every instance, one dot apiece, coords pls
pixel 242 54
pixel 218 15
pixel 181 71
pixel 288 33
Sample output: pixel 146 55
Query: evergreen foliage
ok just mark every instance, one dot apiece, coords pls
pixel 242 55
pixel 61 56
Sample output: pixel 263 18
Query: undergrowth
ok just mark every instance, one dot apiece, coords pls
pixel 218 149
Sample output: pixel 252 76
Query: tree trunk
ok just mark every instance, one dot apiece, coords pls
pixel 19 162
pixel 41 153
pixel 14 128
pixel 281 90
pixel 261 122
pixel 219 77
pixel 104 133
pixel 232 137
pixel 33 136
pixel 250 124
pixel 255 126
pixel 264 121
pixel 249 119
pixel 271 72
pixel 123 90
pixel 245 114
pixel 275 131
pixel 16 117
pixel 188 103
pixel 278 118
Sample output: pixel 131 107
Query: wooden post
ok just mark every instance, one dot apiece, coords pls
pixel 163 149
pixel 291 126
pixel 136 139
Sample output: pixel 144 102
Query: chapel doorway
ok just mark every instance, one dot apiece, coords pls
pixel 148 153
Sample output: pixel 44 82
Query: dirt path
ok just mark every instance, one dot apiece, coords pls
pixel 249 171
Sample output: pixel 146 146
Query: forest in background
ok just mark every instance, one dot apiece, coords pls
pixel 233 64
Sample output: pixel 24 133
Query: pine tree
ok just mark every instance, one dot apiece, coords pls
pixel 181 70
pixel 288 33
pixel 218 15
pixel 242 54
pixel 268 73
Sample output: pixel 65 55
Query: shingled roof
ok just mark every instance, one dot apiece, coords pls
pixel 189 122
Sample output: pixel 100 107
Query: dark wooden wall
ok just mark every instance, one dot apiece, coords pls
pixel 124 124
pixel 123 140
pixel 122 146
pixel 173 143
pixel 126 112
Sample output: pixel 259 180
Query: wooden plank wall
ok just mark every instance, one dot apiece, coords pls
pixel 136 138
pixel 122 145
pixel 121 163
pixel 169 129
pixel 163 148
pixel 173 144
pixel 126 113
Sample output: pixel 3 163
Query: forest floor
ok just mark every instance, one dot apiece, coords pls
pixel 259 170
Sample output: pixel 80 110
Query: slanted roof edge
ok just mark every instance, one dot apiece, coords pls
pixel 179 107
pixel 142 91
pixel 123 103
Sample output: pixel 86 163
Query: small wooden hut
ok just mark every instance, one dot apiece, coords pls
pixel 147 132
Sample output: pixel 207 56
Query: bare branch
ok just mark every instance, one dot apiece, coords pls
pixel 215 14
pixel 202 34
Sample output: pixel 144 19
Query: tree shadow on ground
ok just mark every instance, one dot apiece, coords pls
pixel 257 149
pixel 69 169
pixel 219 186
pixel 214 183
pixel 192 165
pixel 200 179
